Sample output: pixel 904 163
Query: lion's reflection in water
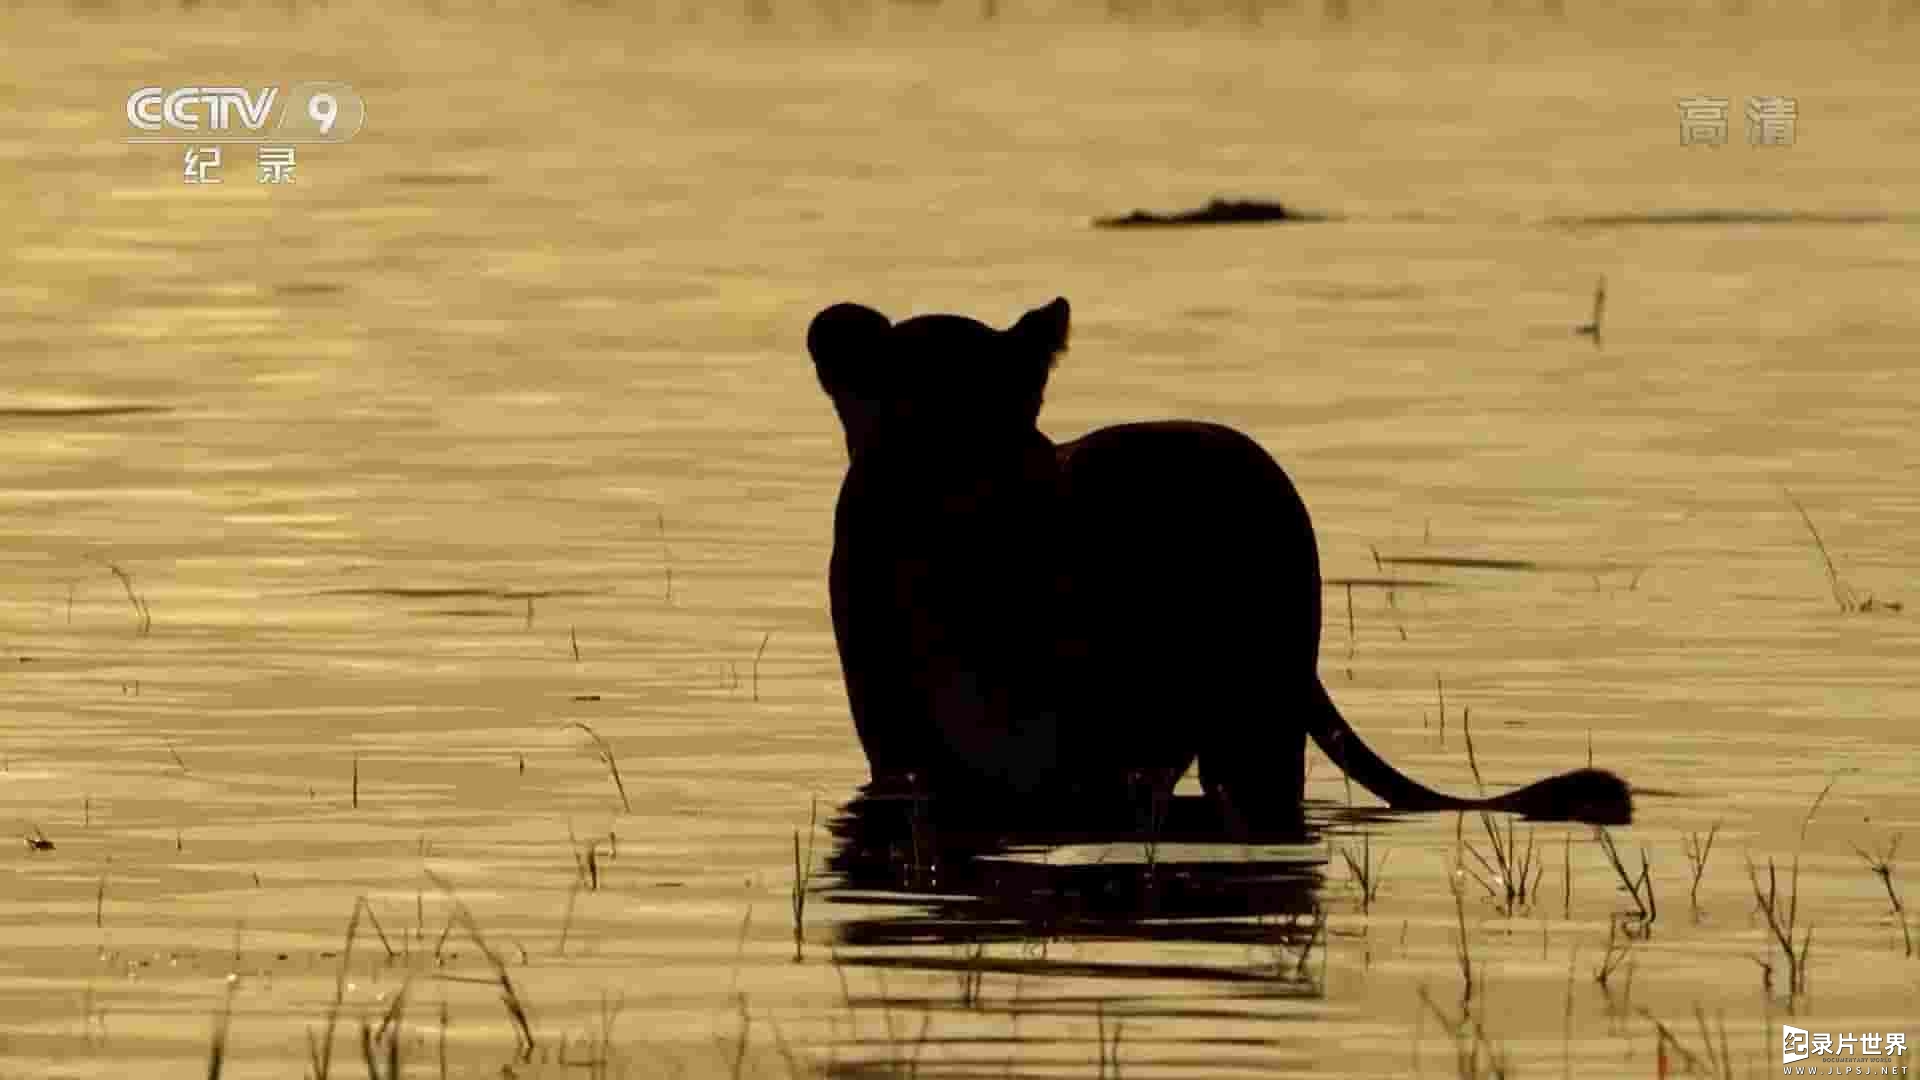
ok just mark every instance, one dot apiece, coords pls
pixel 1100 923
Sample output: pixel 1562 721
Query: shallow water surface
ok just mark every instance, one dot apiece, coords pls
pixel 343 518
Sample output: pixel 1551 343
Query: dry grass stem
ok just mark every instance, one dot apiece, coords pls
pixel 1698 849
pixel 1639 887
pixel 605 753
pixel 1883 868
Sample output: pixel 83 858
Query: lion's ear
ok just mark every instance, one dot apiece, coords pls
pixel 842 339
pixel 1043 331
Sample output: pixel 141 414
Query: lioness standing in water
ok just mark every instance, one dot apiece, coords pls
pixel 1042 626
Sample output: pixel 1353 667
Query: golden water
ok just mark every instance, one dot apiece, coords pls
pixel 534 339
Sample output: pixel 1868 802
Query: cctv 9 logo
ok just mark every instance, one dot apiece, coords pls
pixel 307 112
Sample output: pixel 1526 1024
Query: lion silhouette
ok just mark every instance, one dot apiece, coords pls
pixel 1048 627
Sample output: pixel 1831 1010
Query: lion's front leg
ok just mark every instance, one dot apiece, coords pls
pixel 991 737
pixel 876 667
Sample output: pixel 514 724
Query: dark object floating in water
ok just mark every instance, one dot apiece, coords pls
pixel 1385 582
pixel 1465 562
pixel 1738 217
pixel 413 592
pixel 1476 562
pixel 70 412
pixel 1216 212
pixel 438 179
pixel 586 697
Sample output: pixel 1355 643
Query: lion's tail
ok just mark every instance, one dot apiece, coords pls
pixel 1337 739
pixel 1589 794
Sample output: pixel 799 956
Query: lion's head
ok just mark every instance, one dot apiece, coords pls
pixel 941 534
pixel 934 383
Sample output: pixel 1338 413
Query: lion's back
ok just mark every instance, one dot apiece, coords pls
pixel 1194 483
pixel 1188 541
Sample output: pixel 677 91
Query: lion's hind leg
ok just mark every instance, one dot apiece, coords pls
pixel 1253 769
